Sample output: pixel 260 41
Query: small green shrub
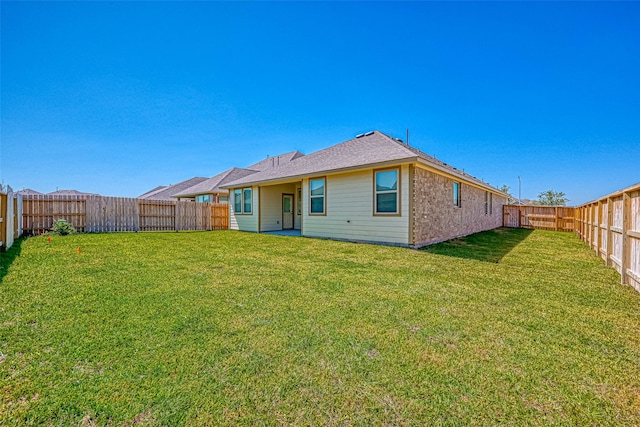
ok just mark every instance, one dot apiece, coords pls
pixel 62 228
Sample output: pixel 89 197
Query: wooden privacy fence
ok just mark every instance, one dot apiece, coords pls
pixel 97 214
pixel 611 227
pixel 558 218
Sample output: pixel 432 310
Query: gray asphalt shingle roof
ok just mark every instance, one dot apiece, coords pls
pixel 153 191
pixel 70 193
pixel 212 185
pixel 270 162
pixel 29 192
pixel 366 150
pixel 165 193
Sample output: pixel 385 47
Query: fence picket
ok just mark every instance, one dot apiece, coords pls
pixel 558 218
pixel 97 214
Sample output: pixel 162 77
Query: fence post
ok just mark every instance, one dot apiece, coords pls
pixel 4 198
pixel 594 241
pixel 590 225
pixel 609 247
pixel 600 228
pixel 504 211
pixel 626 226
pixel 519 216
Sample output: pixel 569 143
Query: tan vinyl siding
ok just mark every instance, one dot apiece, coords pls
pixel 244 222
pixel 271 203
pixel 349 210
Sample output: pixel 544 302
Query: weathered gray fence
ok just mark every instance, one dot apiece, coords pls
pixel 96 214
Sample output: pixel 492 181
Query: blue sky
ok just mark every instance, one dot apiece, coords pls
pixel 119 97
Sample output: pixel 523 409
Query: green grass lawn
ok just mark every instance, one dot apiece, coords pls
pixel 507 327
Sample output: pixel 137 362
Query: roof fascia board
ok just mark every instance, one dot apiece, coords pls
pixel 201 193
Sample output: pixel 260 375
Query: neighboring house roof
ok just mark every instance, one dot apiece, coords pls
pixel 212 185
pixel 70 193
pixel 29 192
pixel 150 192
pixel 370 149
pixel 166 193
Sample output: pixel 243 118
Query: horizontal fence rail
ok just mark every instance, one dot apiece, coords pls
pixel 611 227
pixel 98 214
pixel 557 218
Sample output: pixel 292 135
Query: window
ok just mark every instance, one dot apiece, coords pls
pixel 224 199
pixel 386 191
pixel 246 197
pixel 237 201
pixel 486 203
pixel 457 198
pixel 299 201
pixel 317 191
pixel 204 198
pixel 242 202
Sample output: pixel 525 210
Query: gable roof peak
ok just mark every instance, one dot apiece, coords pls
pixel 272 161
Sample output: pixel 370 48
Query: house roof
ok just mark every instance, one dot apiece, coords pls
pixel 70 193
pixel 150 192
pixel 29 192
pixel 166 192
pixel 270 162
pixel 370 149
pixel 212 185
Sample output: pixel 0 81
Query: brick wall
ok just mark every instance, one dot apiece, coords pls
pixel 435 218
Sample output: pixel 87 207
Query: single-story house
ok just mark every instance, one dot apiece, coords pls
pixel 372 188
pixel 211 191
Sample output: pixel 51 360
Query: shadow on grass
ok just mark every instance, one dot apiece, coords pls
pixel 7 257
pixel 487 246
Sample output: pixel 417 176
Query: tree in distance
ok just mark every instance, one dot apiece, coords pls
pixel 506 189
pixel 552 198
